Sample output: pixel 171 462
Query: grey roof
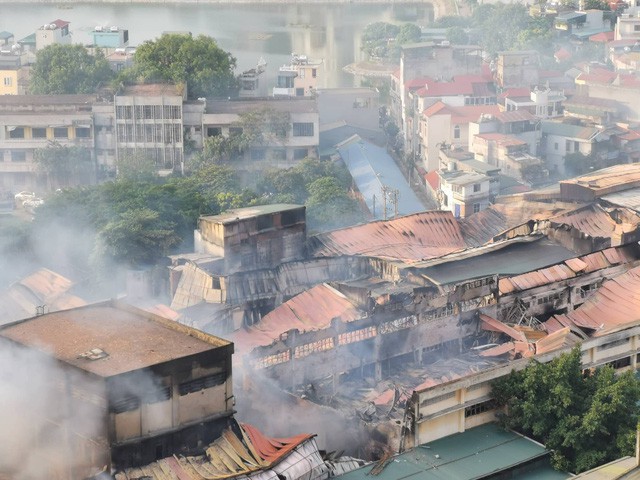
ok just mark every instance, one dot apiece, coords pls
pixel 5 35
pixel 513 259
pixel 627 198
pixel 570 131
pixel 371 167
pixel 459 177
pixel 249 212
pixel 237 107
pixel 571 16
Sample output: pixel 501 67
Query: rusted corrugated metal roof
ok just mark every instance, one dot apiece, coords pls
pixel 482 227
pixel 553 341
pixel 410 238
pixel 499 350
pixel 240 452
pixel 568 269
pixel 493 325
pixel 308 311
pixel 41 288
pixel 593 221
pixel 616 303
pixel 601 182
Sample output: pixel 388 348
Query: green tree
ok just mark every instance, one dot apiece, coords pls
pixel 596 5
pixel 68 69
pixel 586 420
pixel 409 33
pixel 137 237
pixel 199 63
pixel 65 166
pixel 329 206
pixel 377 37
pixel 136 166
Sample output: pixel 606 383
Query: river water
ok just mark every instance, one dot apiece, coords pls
pixel 329 32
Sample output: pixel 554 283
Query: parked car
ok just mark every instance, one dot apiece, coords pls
pixel 23 196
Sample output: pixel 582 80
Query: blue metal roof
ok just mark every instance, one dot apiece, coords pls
pixel 372 167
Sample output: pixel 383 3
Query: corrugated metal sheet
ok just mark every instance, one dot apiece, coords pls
pixel 308 311
pixel 499 350
pixel 614 304
pixel 42 288
pixel 411 238
pixel 569 269
pixel 493 325
pixel 242 452
pixel 601 182
pixel 482 227
pixel 553 341
pixel 593 221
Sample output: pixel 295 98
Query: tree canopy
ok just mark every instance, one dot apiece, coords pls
pixel 587 419
pixel 68 69
pixel 199 63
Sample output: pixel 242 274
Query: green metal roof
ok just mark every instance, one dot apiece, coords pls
pixel 474 454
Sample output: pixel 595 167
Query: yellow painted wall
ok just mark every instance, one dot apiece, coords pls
pixel 11 77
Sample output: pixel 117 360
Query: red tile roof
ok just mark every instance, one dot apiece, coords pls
pixel 602 37
pixel 410 238
pixel 462 115
pixel 459 85
pixel 523 92
pixel 433 179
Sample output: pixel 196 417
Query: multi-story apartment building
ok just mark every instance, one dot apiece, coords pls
pixel 299 78
pixel 52 33
pixel 149 120
pixel 10 75
pixel 517 69
pixel 31 122
pixel 152 120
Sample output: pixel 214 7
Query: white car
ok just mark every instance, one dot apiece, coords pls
pixel 23 196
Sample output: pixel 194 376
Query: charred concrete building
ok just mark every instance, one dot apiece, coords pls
pixel 119 387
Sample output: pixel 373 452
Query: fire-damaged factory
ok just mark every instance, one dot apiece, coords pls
pixel 371 340
pixel 402 323
pixel 109 385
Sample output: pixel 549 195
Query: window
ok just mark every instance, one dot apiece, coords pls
pixel 258 153
pixel 300 154
pixel 214 131
pixel 456 131
pixel 636 28
pixel 83 132
pixel 235 131
pixel 476 187
pixel 303 129
pixel 314 72
pixel 39 133
pixel 61 132
pixel 8 81
pixel 567 145
pixel 299 92
pixel 476 207
pixel 18 156
pixel 201 383
pixel 17 132
pixel 555 146
pixel 576 146
pixel 479 408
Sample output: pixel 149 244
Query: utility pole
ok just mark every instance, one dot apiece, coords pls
pixel 374 206
pixel 395 195
pixel 385 191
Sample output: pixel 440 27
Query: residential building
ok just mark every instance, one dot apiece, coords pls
pixel 443 125
pixel 11 75
pixel 56 32
pixel 122 387
pixel 299 78
pixel 560 139
pixel 149 120
pixel 357 107
pixel 31 122
pixel 301 140
pixel 110 37
pixel 517 69
pixel 464 193
pixel 605 84
pixel 581 25
pixel 121 58
pixel 542 103
pixel 421 61
pixel 250 85
pixel 510 154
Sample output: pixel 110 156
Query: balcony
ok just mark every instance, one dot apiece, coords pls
pixel 17 167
